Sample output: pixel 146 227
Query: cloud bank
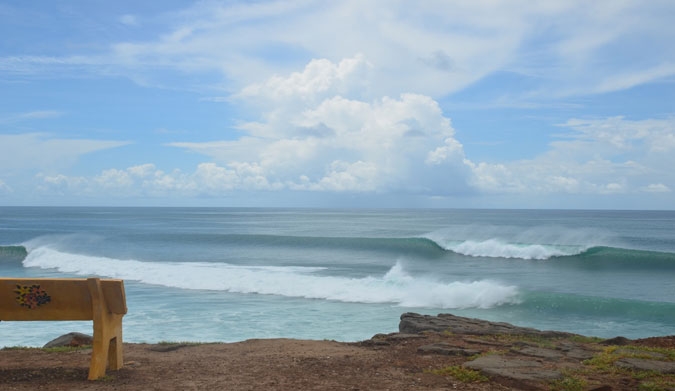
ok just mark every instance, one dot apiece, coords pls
pixel 311 137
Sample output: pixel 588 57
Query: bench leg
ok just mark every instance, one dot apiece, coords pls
pixel 107 345
pixel 106 350
pixel 99 357
pixel 115 353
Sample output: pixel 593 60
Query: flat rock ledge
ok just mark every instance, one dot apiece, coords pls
pixel 642 364
pixel 513 368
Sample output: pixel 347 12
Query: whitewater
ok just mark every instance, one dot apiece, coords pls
pixel 230 274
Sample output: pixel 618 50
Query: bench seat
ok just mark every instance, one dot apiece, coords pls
pixel 102 301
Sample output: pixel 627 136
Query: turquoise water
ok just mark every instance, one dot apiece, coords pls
pixel 219 274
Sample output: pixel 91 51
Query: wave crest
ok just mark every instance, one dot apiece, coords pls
pixel 496 248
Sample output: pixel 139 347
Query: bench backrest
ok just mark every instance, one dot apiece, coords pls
pixel 59 298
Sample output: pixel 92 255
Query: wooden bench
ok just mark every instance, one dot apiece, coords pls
pixel 100 300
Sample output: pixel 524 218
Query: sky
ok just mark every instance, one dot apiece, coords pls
pixel 456 104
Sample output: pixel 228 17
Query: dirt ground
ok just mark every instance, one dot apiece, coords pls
pixel 272 364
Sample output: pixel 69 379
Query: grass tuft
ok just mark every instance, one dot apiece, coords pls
pixel 56 349
pixel 66 349
pixel 568 383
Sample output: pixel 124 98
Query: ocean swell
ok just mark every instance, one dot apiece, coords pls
pixel 13 253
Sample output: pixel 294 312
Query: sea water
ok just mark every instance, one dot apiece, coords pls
pixel 230 274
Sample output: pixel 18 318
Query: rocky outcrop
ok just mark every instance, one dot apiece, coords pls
pixel 413 323
pixel 528 359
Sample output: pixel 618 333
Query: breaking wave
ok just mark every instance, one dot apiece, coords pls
pixel 396 286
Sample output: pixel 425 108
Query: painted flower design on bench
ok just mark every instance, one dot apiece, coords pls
pixel 31 296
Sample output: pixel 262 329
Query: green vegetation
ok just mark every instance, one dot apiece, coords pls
pixel 585 339
pixel 668 353
pixel 568 383
pixel 657 385
pixel 460 373
pixel 57 349
pixel 66 349
pixel 604 362
pixel 18 347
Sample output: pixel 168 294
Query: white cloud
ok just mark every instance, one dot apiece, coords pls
pixel 656 188
pixel 4 188
pixel 404 145
pixel 348 176
pixel 362 114
pixel 129 20
pixel 30 115
pixel 61 184
pixel 319 78
pixel 31 151
pixel 322 140
pixel 600 156
pixel 434 48
pixel 113 178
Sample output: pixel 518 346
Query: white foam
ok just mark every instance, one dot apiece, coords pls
pixel 396 286
pixel 499 249
pixel 541 242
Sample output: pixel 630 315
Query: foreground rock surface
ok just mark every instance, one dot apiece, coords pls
pixel 531 359
pixel 408 360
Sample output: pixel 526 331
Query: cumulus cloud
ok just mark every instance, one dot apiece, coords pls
pixel 325 139
pixel 320 77
pixel 322 140
pixel 362 114
pixel 60 184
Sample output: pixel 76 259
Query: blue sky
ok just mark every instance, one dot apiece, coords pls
pixel 491 104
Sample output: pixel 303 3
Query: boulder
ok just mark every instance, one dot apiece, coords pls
pixel 70 339
pixel 616 341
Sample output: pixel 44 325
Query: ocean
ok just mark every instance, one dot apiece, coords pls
pixel 231 274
